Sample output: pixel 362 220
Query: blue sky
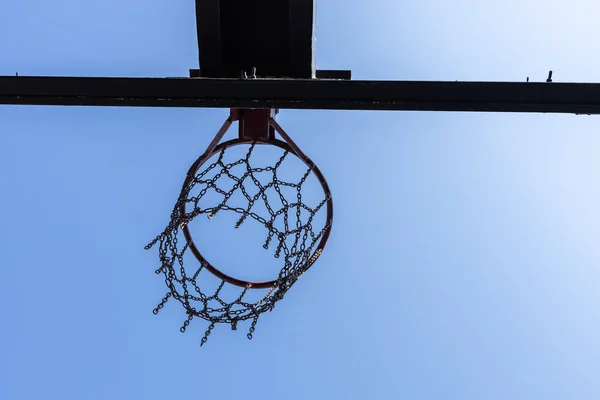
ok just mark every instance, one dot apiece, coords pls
pixel 463 261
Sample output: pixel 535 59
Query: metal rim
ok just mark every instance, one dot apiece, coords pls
pixel 235 142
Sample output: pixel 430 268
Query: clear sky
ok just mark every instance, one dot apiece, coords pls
pixel 464 259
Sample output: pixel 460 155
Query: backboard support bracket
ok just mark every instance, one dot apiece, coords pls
pixel 276 49
pixel 254 123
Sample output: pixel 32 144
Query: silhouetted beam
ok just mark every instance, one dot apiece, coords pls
pixel 578 98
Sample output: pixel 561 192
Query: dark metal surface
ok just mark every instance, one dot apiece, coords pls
pixel 333 74
pixel 319 74
pixel 301 26
pixel 577 98
pixel 254 123
pixel 208 28
pixel 274 36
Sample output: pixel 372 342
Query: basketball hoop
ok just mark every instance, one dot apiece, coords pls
pixel 298 244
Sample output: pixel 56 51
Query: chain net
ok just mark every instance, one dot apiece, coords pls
pixel 289 234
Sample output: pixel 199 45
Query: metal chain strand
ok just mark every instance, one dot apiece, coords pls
pixel 207 334
pixel 252 328
pixel 296 244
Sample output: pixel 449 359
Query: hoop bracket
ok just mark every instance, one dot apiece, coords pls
pixel 254 123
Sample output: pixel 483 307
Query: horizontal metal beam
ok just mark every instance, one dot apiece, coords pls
pixel 577 98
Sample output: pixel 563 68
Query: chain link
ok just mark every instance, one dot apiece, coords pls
pixel 296 259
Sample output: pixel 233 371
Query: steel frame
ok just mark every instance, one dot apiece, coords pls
pixel 575 98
